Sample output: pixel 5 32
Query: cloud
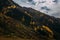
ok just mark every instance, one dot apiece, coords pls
pixel 46 6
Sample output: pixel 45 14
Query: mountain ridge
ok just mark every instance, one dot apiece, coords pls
pixel 41 26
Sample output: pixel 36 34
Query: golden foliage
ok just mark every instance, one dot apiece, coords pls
pixel 32 23
pixel 12 6
pixel 35 28
pixel 47 29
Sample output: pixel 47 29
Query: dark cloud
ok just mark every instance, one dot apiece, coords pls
pixel 33 3
pixel 43 2
pixel 56 1
pixel 30 0
pixel 45 8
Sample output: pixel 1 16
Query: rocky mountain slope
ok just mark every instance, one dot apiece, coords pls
pixel 27 23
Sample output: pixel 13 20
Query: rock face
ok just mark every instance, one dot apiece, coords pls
pixel 27 23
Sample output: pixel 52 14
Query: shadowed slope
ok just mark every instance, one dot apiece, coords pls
pixel 27 23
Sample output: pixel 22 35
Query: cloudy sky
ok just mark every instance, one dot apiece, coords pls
pixel 50 7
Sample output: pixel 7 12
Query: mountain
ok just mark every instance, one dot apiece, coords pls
pixel 27 23
pixel 56 15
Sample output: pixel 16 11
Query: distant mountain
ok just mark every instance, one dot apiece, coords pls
pixel 27 23
pixel 56 15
